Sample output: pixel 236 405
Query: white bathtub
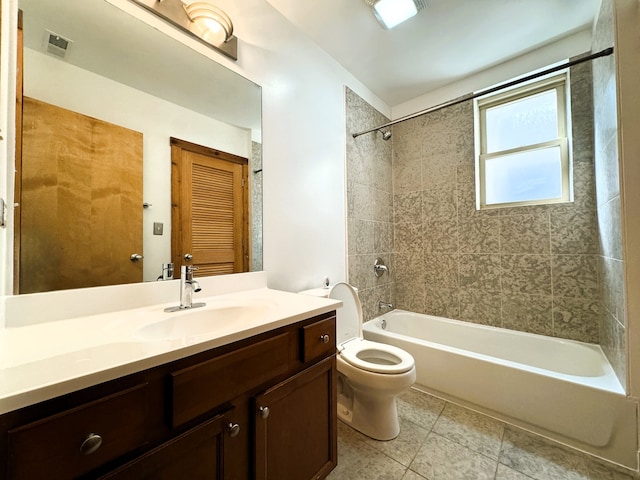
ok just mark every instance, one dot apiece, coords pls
pixel 561 389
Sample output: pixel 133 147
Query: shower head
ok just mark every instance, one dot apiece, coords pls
pixel 386 134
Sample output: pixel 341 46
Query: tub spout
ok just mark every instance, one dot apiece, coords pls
pixel 383 305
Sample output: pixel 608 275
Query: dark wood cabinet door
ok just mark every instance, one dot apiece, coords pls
pixel 197 454
pixel 296 437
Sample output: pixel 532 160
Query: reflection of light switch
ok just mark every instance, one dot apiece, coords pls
pixel 157 228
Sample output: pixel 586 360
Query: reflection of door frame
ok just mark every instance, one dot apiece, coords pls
pixel 18 160
pixel 177 147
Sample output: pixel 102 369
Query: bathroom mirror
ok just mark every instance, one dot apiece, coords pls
pixel 95 59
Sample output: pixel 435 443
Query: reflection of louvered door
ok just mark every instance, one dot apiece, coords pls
pixel 209 209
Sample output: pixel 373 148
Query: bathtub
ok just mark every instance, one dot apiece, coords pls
pixel 561 389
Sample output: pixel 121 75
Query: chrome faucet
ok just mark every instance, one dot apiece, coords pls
pixel 382 305
pixel 167 272
pixel 187 286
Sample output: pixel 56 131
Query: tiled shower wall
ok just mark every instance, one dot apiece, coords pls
pixel 531 268
pixel 528 268
pixel 255 182
pixel 613 325
pixel 369 205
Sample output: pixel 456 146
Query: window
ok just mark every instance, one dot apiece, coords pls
pixel 523 146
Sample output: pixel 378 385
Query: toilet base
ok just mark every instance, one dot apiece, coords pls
pixel 374 417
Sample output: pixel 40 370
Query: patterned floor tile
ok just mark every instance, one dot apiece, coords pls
pixel 599 471
pixel 419 408
pixel 506 473
pixel 477 432
pixel 540 459
pixel 411 475
pixel 404 447
pixel 359 461
pixel 443 459
pixel 441 441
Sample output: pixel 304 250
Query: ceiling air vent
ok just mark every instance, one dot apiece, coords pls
pixel 57 45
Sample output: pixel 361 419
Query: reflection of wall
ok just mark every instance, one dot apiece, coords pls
pixel 527 268
pixel 62 84
pixel 613 324
pixel 255 180
pixel 369 212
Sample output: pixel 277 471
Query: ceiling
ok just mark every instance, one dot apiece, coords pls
pixel 447 41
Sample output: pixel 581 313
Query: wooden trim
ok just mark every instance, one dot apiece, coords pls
pixel 246 246
pixel 17 212
pixel 210 152
pixel 176 222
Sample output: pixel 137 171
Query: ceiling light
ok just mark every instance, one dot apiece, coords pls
pixel 393 12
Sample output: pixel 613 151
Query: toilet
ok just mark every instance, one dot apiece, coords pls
pixel 370 374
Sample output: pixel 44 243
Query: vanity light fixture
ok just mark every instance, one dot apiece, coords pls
pixel 205 21
pixel 393 12
pixel 213 23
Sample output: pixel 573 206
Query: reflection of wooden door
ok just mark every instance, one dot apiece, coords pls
pixel 81 200
pixel 209 209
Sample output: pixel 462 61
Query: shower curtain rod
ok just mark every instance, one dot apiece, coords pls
pixel 470 96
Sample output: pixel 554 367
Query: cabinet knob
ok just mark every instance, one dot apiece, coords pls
pixel 264 412
pixel 233 429
pixel 91 444
pixel 324 338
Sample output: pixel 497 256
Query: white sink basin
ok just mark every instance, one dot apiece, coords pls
pixel 203 321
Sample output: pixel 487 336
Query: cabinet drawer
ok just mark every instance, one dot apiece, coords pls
pixel 202 387
pixel 55 447
pixel 318 339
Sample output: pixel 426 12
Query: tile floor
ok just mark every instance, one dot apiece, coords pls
pixel 442 441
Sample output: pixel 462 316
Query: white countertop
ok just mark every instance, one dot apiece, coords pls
pixel 41 361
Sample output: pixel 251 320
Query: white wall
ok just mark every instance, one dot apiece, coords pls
pixel 559 51
pixel 7 143
pixel 627 18
pixel 303 141
pixel 73 88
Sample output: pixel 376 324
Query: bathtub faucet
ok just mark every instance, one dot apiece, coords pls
pixel 379 267
pixel 382 305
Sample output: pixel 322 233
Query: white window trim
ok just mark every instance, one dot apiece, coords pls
pixel 561 84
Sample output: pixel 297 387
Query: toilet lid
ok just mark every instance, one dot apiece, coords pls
pixel 377 357
pixel 349 316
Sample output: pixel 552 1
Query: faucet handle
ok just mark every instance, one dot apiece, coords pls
pixel 379 267
pixel 186 271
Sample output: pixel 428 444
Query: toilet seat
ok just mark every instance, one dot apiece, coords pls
pixel 353 348
pixel 376 357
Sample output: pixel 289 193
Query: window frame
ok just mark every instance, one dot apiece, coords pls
pixel 559 82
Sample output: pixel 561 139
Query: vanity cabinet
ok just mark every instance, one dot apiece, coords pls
pixel 264 408
pixel 198 453
pixel 294 430
pixel 69 440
